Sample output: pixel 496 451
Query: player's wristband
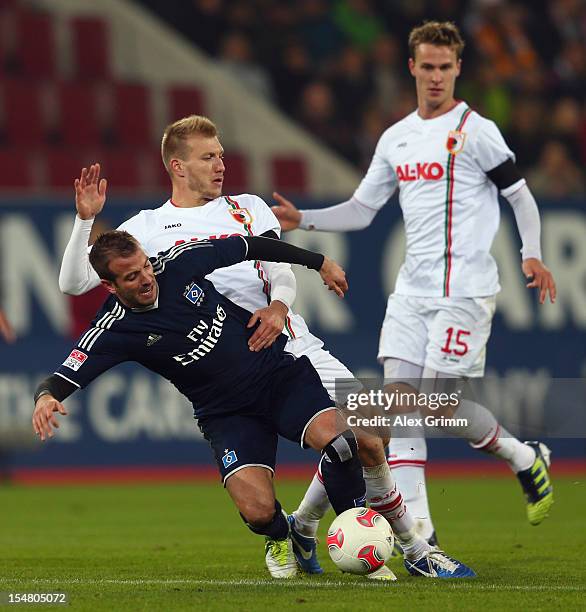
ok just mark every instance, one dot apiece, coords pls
pixel 268 249
pixel 56 386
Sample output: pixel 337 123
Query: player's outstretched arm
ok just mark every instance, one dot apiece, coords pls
pixel 77 275
pixel 286 212
pixel 44 417
pixel 48 397
pixel 334 277
pixel 268 249
pixel 344 217
pixel 529 226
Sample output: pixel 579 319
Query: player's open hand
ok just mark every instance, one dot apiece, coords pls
pixel 539 276
pixel 334 277
pixel 90 192
pixel 286 212
pixel 44 418
pixel 272 321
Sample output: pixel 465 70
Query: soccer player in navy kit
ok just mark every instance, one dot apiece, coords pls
pixel 165 315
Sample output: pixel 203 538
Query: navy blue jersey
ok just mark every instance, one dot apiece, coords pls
pixel 193 336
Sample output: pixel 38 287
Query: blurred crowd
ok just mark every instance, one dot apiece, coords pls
pixel 339 68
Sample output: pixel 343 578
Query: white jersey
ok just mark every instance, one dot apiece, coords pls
pixel 449 205
pixel 245 283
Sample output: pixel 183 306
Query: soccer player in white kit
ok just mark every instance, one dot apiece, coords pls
pixel 449 164
pixel 192 154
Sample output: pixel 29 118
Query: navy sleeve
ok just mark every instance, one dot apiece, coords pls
pixel 95 353
pixel 202 257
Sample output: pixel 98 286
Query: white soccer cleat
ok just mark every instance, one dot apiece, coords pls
pixel 280 558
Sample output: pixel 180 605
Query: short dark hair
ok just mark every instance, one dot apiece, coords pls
pixel 109 245
pixel 440 33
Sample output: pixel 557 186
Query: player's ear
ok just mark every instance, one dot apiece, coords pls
pixel 411 65
pixel 176 166
pixel 458 67
pixel 108 285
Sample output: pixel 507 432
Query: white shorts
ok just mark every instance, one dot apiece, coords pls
pixel 444 334
pixel 335 376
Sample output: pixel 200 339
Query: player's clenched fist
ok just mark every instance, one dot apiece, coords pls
pixel 90 192
pixel 44 418
pixel 334 276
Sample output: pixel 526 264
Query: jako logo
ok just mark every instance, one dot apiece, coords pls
pixel 172 225
pixel 425 171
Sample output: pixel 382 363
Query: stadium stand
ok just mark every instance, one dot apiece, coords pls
pixel 15 170
pixel 64 94
pixel 289 174
pixel 78 119
pixel 91 48
pixel 311 54
pixel 183 101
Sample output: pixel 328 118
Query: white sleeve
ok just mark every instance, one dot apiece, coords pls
pixel 347 216
pixel 264 219
pixel 137 227
pixel 528 222
pixel 489 147
pixel 280 275
pixel 283 282
pixel 380 181
pixel 77 275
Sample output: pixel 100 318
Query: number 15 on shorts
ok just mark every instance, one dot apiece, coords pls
pixel 455 342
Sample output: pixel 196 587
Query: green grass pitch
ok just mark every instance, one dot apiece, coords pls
pixel 184 547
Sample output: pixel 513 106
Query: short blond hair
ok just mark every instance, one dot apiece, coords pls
pixel 174 142
pixel 439 33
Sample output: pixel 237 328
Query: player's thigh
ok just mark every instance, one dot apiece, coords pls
pixel 401 375
pixel 297 399
pixel 334 375
pixel 404 331
pixel 239 441
pixel 458 335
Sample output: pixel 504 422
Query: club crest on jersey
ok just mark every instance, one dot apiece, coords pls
pixel 242 215
pixel 455 142
pixel 194 294
pixel 229 458
pixel 75 360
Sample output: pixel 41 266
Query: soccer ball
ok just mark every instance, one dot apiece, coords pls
pixel 360 541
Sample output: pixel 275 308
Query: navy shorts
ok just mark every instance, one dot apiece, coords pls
pixel 290 399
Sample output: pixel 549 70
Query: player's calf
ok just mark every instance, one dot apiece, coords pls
pixel 279 555
pixel 251 489
pixel 342 473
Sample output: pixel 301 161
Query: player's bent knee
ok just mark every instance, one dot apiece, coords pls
pixel 257 514
pixel 321 429
pixel 273 524
pixel 342 448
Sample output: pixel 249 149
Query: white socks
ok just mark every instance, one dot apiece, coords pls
pixel 407 459
pixel 384 497
pixel 485 434
pixel 312 508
